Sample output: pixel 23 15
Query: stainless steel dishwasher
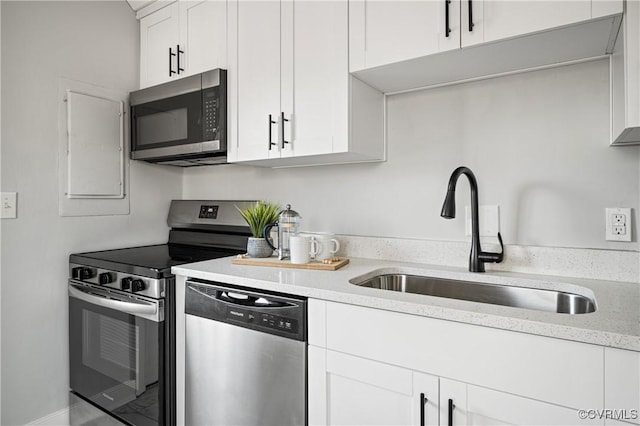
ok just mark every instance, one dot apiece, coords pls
pixel 246 356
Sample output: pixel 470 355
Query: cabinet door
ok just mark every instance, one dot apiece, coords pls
pixel 258 82
pixel 453 402
pixel 347 390
pixel 383 31
pixel 315 77
pixel 203 35
pixel 477 406
pixel 159 31
pixel 497 19
pixel 622 384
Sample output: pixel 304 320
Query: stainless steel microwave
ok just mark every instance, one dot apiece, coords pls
pixel 182 122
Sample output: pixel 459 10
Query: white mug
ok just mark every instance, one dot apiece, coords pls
pixel 302 247
pixel 328 245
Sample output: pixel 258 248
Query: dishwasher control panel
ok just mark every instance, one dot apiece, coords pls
pixel 281 315
pixel 262 320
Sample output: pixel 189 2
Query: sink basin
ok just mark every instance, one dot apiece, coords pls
pixel 517 297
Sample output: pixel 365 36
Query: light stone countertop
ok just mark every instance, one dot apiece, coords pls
pixel 616 322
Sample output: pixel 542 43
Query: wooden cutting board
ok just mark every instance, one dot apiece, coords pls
pixel 273 261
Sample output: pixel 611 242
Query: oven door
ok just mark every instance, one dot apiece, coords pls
pixel 116 345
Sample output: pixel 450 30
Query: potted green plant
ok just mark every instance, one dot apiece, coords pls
pixel 257 217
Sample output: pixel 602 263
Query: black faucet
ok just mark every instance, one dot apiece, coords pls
pixel 477 258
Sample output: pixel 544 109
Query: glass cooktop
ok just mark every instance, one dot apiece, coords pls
pixel 154 261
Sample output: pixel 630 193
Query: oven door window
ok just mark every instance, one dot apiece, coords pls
pixel 115 359
pixel 168 122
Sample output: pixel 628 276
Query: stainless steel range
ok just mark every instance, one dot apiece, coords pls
pixel 122 312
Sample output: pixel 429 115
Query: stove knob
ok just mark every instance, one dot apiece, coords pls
pixel 82 273
pixel 125 283
pixel 137 285
pixel 105 278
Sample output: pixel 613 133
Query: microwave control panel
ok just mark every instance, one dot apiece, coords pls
pixel 211 106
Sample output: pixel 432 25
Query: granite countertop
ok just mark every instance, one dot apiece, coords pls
pixel 616 322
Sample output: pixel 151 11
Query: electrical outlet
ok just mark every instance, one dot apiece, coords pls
pixel 619 230
pixel 618 224
pixel 489 217
pixel 619 219
pixel 9 205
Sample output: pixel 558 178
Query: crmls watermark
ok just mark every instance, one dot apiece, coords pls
pixel 609 414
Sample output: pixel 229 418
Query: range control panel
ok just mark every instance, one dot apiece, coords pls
pixel 143 286
pixel 208 212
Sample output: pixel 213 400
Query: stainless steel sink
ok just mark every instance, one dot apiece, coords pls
pixel 514 296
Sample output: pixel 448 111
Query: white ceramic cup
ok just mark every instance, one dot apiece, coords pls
pixel 302 247
pixel 328 245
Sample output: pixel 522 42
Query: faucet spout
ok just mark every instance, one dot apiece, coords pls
pixel 477 258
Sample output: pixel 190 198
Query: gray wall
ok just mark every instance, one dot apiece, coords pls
pixel 94 42
pixel 537 142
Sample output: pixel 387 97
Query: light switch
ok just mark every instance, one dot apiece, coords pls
pixel 9 205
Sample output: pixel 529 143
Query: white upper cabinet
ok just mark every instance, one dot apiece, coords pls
pixel 203 35
pixel 257 89
pixel 625 79
pixel 493 20
pixel 398 45
pixel 315 78
pixel 181 39
pixel 294 102
pixel 159 33
pixel 383 32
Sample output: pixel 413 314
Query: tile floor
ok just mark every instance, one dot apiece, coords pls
pixel 80 413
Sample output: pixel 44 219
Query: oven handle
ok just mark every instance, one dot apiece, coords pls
pixel 142 309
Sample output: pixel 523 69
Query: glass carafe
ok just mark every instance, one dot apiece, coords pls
pixel 288 225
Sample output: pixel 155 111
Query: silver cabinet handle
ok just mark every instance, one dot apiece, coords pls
pixel 138 308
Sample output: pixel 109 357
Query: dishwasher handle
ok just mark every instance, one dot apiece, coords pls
pixel 241 299
pixel 238 298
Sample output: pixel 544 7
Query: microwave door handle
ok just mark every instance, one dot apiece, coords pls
pixel 118 305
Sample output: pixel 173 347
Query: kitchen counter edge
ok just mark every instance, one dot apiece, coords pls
pixel 616 322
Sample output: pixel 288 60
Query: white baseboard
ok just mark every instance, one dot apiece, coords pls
pixel 79 412
pixel 59 418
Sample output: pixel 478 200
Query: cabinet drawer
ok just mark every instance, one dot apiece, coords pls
pixel 558 371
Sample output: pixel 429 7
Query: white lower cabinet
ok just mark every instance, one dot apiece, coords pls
pixel 622 386
pixel 348 390
pixel 370 366
pixel 464 404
